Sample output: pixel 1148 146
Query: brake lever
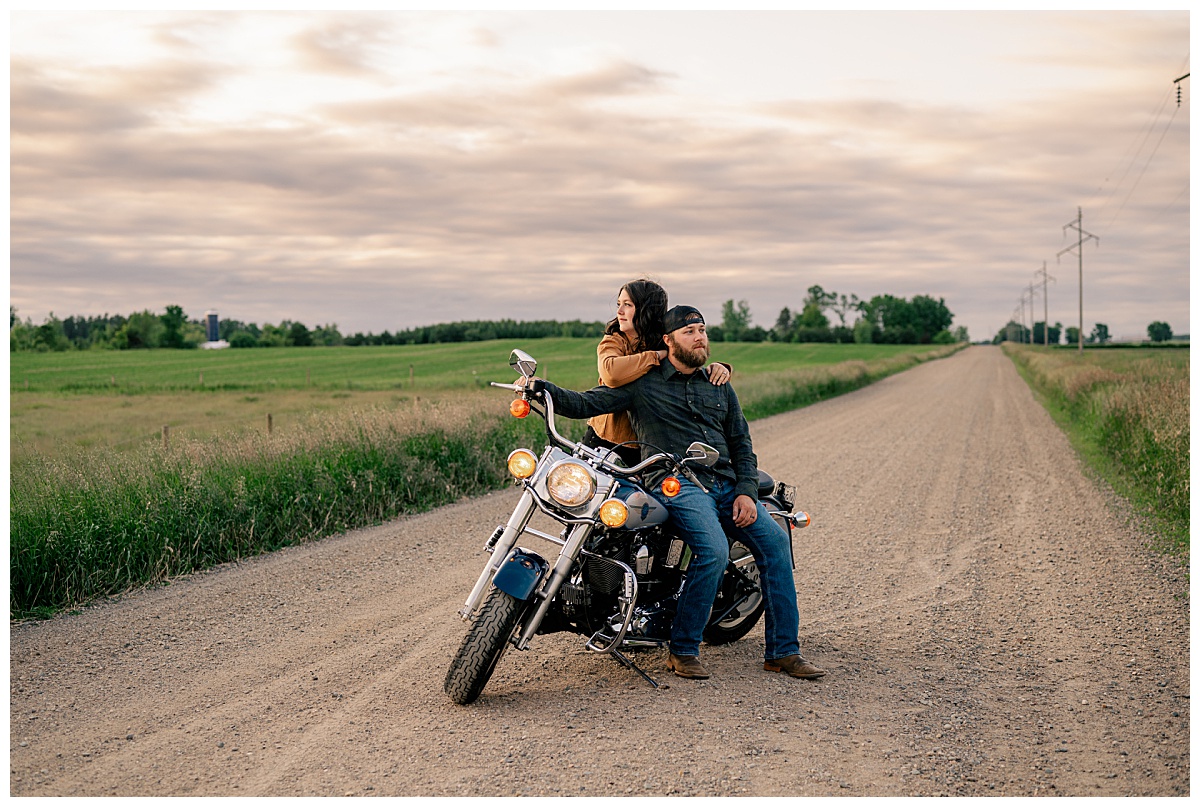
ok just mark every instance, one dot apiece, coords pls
pixel 691 476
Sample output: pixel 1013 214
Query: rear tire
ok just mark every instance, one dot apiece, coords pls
pixel 482 647
pixel 747 595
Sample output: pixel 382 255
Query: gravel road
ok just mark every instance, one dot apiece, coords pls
pixel 992 621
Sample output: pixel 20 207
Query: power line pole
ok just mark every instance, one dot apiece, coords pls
pixel 1045 304
pixel 1083 236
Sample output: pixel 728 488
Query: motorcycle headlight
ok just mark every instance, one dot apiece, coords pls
pixel 522 463
pixel 570 483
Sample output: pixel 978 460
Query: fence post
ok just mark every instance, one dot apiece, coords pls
pixel 411 376
pixel 202 378
pixel 166 434
pixel 269 423
pixel 308 377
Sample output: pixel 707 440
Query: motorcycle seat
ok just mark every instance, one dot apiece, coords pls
pixel 766 485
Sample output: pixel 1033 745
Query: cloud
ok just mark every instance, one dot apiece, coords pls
pixel 343 46
pixel 534 195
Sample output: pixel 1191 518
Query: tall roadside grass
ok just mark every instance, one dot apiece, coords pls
pixel 100 522
pixel 771 393
pixel 1127 411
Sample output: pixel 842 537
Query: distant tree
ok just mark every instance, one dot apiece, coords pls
pixel 299 335
pixel 242 339
pixel 843 305
pixel 1039 334
pixel 783 326
pixel 327 335
pixel 226 328
pixel 734 320
pixel 1099 335
pixel 141 330
pixel 1159 332
pixel 272 336
pixel 865 331
pixel 931 317
pixel 812 313
pixel 1072 335
pixel 812 316
pixel 960 334
pixel 172 330
pixel 50 336
pixel 1012 332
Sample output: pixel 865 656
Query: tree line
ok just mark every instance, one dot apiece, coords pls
pixel 173 329
pixel 145 329
pixel 1040 335
pixel 883 319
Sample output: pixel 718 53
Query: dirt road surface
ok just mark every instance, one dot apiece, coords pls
pixel 992 621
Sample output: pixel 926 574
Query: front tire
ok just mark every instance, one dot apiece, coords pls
pixel 740 592
pixel 482 647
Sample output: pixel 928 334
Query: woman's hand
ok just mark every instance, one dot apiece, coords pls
pixel 718 374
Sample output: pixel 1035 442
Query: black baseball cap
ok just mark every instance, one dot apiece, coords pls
pixel 680 317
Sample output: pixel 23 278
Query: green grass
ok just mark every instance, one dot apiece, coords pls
pixel 89 522
pixel 1127 411
pixel 412 368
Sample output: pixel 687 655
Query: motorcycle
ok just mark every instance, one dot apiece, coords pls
pixel 620 566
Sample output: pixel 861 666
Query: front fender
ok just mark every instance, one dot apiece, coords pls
pixel 520 574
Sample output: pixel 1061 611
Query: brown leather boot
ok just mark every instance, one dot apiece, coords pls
pixel 686 666
pixel 795 666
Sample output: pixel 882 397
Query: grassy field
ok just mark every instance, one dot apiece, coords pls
pixel 99 506
pixel 122 399
pixel 1127 410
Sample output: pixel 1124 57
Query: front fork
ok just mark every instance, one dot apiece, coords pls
pixel 517 523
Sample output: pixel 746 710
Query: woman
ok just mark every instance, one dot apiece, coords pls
pixel 631 347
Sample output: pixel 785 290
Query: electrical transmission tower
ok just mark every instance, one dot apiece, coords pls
pixel 1045 304
pixel 1077 225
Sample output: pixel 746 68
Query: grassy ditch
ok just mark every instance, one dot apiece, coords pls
pixel 92 523
pixel 771 393
pixel 1127 411
pixel 101 523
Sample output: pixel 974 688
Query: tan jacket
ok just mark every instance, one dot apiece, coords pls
pixel 618 365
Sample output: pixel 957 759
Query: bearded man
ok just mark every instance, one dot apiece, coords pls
pixel 671 407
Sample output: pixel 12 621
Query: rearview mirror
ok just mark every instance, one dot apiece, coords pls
pixel 702 454
pixel 523 363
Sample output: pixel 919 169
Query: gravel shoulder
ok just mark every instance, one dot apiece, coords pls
pixel 993 621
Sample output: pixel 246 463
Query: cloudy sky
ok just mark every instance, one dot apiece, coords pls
pixel 385 170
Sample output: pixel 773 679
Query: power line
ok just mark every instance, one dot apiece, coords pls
pixel 1149 160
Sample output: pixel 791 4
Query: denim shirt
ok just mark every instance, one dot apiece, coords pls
pixel 671 410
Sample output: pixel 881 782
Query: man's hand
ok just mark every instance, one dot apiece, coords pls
pixel 745 511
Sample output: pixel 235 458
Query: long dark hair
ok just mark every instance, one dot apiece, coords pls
pixel 650 306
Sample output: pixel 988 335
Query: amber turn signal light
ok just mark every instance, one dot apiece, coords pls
pixel 519 407
pixel 670 486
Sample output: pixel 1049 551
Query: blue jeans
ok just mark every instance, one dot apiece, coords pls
pixel 703 519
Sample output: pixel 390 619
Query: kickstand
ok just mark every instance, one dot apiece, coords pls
pixel 624 660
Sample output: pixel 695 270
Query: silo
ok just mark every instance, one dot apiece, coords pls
pixel 213 332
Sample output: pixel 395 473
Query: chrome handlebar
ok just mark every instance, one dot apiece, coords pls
pixel 546 402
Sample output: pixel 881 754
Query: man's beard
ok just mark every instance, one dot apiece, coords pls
pixel 694 358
